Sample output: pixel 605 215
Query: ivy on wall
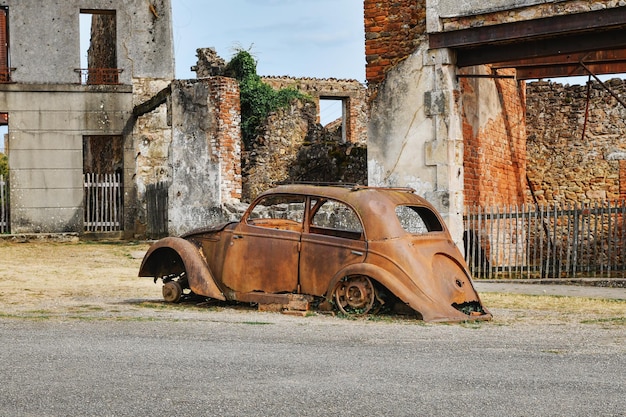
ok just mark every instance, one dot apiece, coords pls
pixel 258 99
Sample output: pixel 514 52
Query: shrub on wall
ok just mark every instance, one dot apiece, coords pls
pixel 258 99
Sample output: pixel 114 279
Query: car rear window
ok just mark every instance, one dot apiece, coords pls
pixel 418 220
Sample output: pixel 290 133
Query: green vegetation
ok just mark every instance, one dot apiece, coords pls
pixel 258 99
pixel 4 166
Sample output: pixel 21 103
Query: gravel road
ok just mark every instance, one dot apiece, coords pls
pixel 236 362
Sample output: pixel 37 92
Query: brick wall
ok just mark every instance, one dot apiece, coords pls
pixel 226 145
pixel 494 158
pixel 393 30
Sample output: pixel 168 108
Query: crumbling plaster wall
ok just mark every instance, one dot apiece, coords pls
pixel 50 111
pixel 415 131
pixel 204 153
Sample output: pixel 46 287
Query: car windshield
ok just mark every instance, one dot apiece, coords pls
pixel 418 220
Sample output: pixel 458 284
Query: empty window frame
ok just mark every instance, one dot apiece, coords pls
pixel 98 46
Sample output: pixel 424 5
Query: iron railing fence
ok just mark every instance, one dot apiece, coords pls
pixel 558 241
pixel 103 202
pixel 4 205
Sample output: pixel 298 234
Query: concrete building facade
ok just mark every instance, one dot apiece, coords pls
pixel 58 112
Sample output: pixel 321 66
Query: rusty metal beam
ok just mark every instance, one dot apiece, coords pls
pixel 569 70
pixel 595 57
pixel 542 48
pixel 536 28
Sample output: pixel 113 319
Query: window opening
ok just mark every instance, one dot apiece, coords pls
pixel 5 70
pixel 418 220
pixel 284 212
pixel 98 53
pixel 333 116
pixel 334 218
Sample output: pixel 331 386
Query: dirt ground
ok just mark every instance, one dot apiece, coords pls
pixel 57 277
pixel 99 280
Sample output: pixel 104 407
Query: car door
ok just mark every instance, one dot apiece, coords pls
pixel 333 240
pixel 264 250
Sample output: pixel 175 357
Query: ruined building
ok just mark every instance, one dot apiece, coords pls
pixel 447 89
pixel 65 121
pixel 444 112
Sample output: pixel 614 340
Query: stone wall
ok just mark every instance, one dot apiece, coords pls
pixel 351 92
pixel 294 147
pixel 455 15
pixel 563 163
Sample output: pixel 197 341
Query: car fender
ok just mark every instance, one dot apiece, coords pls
pixel 173 255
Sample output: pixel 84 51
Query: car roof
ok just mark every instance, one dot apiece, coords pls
pixel 371 203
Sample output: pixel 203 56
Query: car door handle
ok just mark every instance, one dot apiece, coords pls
pixel 237 237
pixel 357 253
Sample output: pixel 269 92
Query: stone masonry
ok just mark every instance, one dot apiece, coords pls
pixel 576 142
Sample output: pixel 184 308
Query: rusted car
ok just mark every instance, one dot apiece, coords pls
pixel 354 249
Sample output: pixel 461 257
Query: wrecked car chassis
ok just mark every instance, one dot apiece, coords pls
pixel 356 250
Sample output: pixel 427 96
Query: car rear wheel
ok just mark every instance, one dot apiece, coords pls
pixel 355 295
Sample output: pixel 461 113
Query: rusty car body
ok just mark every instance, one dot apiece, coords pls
pixel 355 249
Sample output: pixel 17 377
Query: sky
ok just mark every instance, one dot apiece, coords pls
pixel 298 38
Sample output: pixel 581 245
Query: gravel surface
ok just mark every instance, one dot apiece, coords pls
pixel 81 335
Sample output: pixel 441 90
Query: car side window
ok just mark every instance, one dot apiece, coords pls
pixel 284 212
pixel 336 219
pixel 418 220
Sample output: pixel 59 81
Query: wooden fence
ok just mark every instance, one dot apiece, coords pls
pixel 103 202
pixel 571 240
pixel 156 210
pixel 4 205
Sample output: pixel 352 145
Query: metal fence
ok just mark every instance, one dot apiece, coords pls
pixel 570 240
pixel 103 202
pixel 4 205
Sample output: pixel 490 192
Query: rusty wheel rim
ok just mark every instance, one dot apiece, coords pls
pixel 355 295
pixel 172 291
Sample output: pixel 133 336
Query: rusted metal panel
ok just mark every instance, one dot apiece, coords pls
pixel 358 257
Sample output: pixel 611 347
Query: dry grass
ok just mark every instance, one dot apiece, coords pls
pixel 556 308
pixel 100 278
pixel 58 276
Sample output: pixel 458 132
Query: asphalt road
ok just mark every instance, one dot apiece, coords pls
pixel 247 363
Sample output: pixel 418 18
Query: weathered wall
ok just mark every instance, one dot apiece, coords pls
pixel 50 112
pixel 415 131
pixel 461 14
pixel 204 151
pixel 352 92
pixel 46 129
pixel 494 157
pixel 565 165
pixel 45 40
